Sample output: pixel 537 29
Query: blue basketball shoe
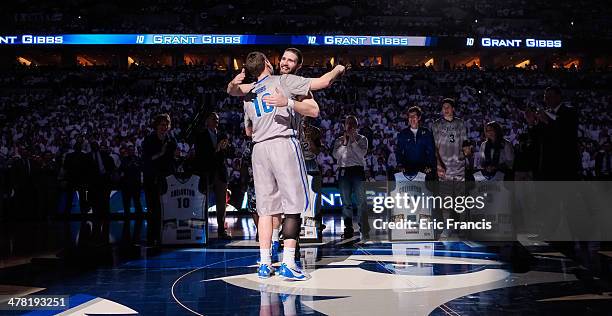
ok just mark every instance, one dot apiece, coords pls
pixel 265 271
pixel 293 273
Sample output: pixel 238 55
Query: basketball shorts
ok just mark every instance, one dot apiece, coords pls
pixel 279 173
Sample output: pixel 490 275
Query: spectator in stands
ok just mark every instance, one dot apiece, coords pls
pixel 63 104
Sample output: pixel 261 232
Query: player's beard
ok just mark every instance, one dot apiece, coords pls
pixel 287 70
pixel 284 70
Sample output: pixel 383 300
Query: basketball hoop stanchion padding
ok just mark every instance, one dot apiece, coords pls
pixel 183 214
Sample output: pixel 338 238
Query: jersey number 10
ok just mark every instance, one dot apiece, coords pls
pixel 183 202
pixel 266 108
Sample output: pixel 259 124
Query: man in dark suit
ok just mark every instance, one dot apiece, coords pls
pixel 101 168
pixel 75 167
pixel 47 186
pixel 211 150
pixel 555 133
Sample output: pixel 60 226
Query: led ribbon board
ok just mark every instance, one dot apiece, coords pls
pixel 217 39
pixel 513 42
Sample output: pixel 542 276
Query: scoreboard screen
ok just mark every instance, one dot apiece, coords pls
pixel 217 39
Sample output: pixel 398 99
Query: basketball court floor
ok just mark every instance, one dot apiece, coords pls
pixel 105 268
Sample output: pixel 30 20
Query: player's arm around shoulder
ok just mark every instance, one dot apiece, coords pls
pixel 299 88
pixel 307 106
pixel 327 79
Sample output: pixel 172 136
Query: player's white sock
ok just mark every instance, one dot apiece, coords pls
pixel 265 299
pixel 289 305
pixel 265 256
pixel 275 232
pixel 289 257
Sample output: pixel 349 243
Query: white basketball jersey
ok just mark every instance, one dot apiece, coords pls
pixel 269 121
pixel 411 185
pixel 497 205
pixel 183 211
